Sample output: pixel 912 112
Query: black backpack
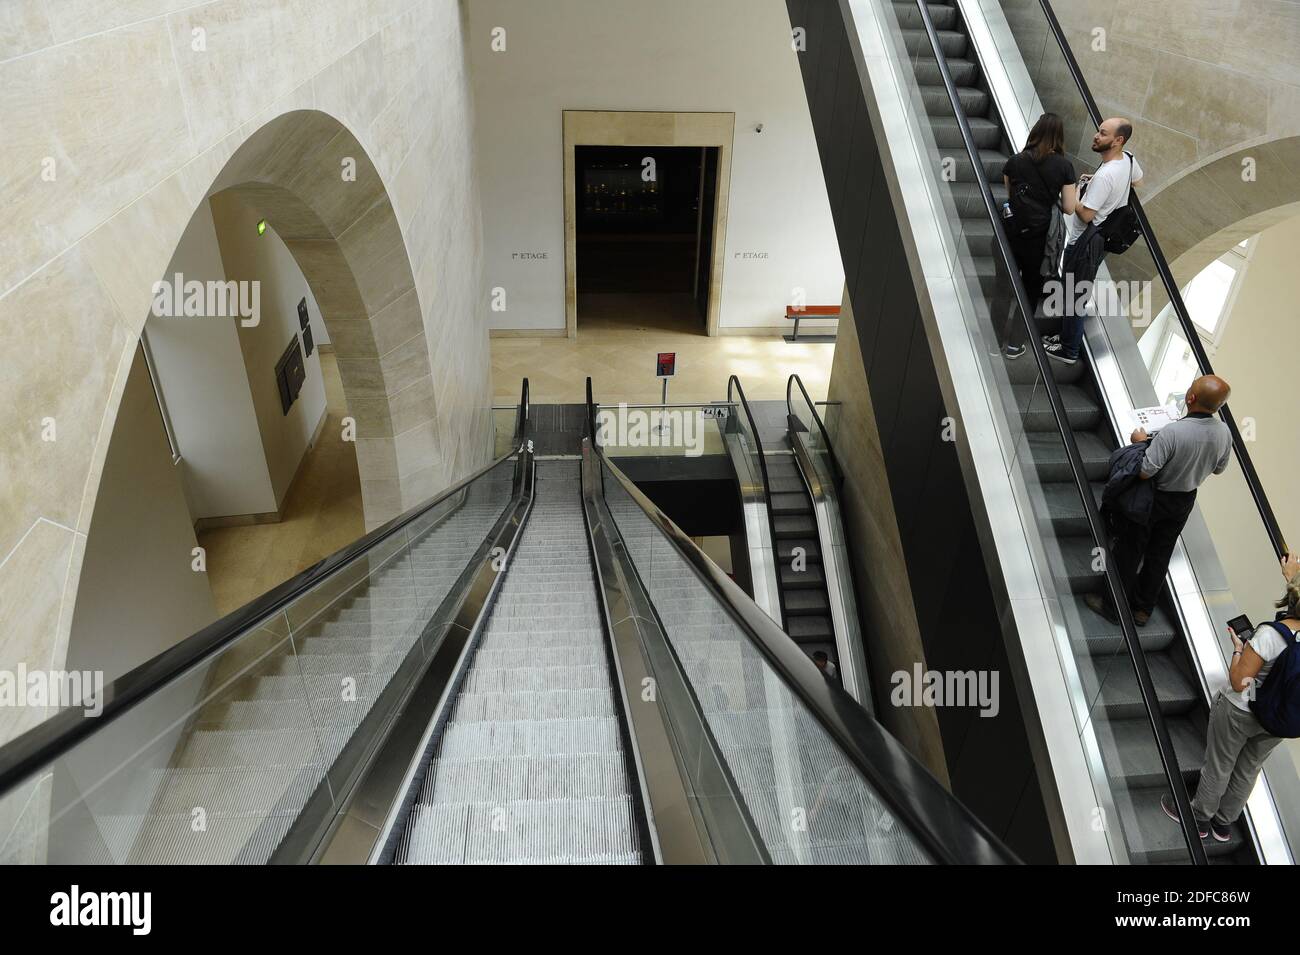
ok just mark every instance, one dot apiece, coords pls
pixel 1031 213
pixel 1121 228
pixel 1277 701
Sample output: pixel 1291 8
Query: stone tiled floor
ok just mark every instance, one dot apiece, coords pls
pixel 618 337
pixel 322 513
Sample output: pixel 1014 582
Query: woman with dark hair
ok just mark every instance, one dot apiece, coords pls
pixel 1039 180
pixel 1236 743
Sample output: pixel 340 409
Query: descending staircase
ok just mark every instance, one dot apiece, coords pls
pixel 530 767
pixel 1106 672
pixel 273 727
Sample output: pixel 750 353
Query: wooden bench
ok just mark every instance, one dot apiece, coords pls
pixel 810 311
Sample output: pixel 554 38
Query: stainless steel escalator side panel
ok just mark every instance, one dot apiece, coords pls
pixel 836 566
pixel 694 813
pixel 362 830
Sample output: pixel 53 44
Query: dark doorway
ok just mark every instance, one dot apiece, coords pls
pixel 644 234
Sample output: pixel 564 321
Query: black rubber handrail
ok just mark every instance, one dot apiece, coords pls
pixel 521 419
pixel 1193 338
pixel 47 741
pixel 1164 744
pixel 734 382
pixel 950 832
pixel 812 408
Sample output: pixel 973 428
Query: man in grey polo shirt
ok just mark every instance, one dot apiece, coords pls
pixel 1180 457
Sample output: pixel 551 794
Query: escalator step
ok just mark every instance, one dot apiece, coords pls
pixel 802 525
pixel 790 504
pixel 1153 837
pixel 947 132
pixel 1118 695
pixel 1081 409
pixel 951 42
pixel 942 15
pixel 963 72
pixel 804 602
pixel 785 485
pixel 1129 752
pixel 785 549
pixel 810 628
pixel 1048 454
pixel 810 577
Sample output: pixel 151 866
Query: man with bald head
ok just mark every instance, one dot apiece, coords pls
pixel 1100 194
pixel 1179 458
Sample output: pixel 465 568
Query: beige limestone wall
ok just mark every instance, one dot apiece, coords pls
pixel 881 581
pixel 1209 84
pixel 118 119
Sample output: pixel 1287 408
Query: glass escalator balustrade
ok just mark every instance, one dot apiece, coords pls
pixel 217 765
pixel 807 800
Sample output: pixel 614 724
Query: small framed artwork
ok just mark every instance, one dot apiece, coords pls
pixel 303 318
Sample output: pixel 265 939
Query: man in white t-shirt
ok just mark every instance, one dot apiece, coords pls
pixel 1100 194
pixel 1236 744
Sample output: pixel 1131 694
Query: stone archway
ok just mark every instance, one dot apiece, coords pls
pixel 312 180
pixel 1210 208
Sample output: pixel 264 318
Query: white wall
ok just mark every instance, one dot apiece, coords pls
pixel 671 55
pixel 249 257
pixel 200 368
pixel 1257 356
pixel 138 594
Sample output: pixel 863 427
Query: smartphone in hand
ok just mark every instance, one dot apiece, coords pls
pixel 1242 627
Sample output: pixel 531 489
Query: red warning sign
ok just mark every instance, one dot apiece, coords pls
pixel 666 364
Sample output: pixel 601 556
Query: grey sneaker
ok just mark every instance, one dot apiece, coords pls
pixel 1012 352
pixel 1221 831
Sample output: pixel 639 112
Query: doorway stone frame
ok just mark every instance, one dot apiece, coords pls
pixel 636 128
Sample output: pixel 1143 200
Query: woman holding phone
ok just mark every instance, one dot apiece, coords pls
pixel 1237 744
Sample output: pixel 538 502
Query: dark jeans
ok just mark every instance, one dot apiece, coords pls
pixel 1142 553
pixel 1028 252
pixel 1075 310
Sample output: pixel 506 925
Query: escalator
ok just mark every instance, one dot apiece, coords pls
pixel 1139 696
pixel 536 666
pixel 810 569
pixel 531 765
pixel 1149 835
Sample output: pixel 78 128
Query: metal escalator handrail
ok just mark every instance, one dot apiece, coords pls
pixel 1164 743
pixel 950 832
pixel 734 382
pixel 1266 514
pixel 826 438
pixel 50 739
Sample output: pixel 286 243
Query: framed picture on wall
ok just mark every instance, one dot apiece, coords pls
pixel 303 318
pixel 306 339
